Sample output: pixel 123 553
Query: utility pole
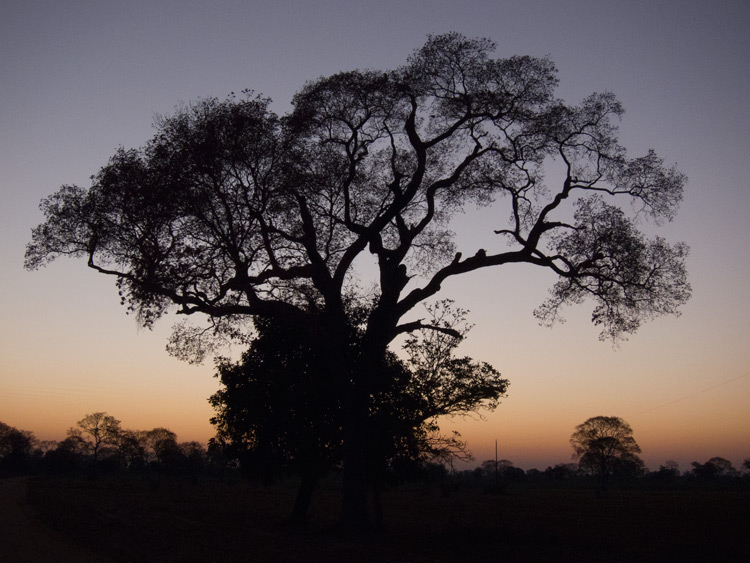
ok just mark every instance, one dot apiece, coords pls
pixel 496 468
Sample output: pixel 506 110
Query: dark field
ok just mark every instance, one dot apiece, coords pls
pixel 180 521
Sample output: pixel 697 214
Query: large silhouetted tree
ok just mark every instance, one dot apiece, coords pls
pixel 233 212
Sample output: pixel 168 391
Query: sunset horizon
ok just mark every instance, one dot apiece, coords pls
pixel 79 81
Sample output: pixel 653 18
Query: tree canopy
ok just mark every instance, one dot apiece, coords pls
pixel 15 448
pixel 604 446
pixel 234 212
pixel 95 431
pixel 230 210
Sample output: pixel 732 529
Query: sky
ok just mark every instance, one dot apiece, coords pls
pixel 78 79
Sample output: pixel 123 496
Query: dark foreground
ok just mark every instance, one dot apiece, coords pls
pixel 181 521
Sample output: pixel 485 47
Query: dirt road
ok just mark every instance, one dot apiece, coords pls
pixel 24 539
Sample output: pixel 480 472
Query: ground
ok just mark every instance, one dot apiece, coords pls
pixel 186 521
pixel 25 539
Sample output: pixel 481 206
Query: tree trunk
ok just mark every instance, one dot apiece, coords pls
pixel 309 480
pixel 354 374
pixel 379 520
pixel 354 513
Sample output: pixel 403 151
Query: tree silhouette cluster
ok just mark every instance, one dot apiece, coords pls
pixel 99 445
pixel 607 454
pixel 157 452
pixel 16 447
pixel 716 473
pixel 235 213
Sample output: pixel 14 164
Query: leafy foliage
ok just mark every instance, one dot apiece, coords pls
pixel 15 448
pixel 96 431
pixel 229 210
pixel 604 446
pixel 279 408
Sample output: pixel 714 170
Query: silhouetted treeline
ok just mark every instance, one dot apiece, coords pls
pixel 491 476
pixel 98 445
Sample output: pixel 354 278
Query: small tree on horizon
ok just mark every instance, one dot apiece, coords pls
pixel 96 430
pixel 604 446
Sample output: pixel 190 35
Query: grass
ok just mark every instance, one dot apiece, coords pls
pixel 179 521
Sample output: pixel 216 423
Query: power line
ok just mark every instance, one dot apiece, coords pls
pixel 691 395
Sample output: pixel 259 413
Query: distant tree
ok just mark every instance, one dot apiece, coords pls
pixel 724 467
pixel 745 468
pixel 670 466
pixel 714 468
pixel 667 473
pixel 74 444
pixel 562 471
pixel 232 212
pixel 490 466
pixel 97 430
pixel 162 444
pixel 194 455
pixel 604 446
pixel 16 447
pixel 534 474
pixel 67 457
pixel 501 471
pixel 513 473
pixel 45 446
pixel 131 448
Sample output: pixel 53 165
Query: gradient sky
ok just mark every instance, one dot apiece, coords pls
pixel 80 78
